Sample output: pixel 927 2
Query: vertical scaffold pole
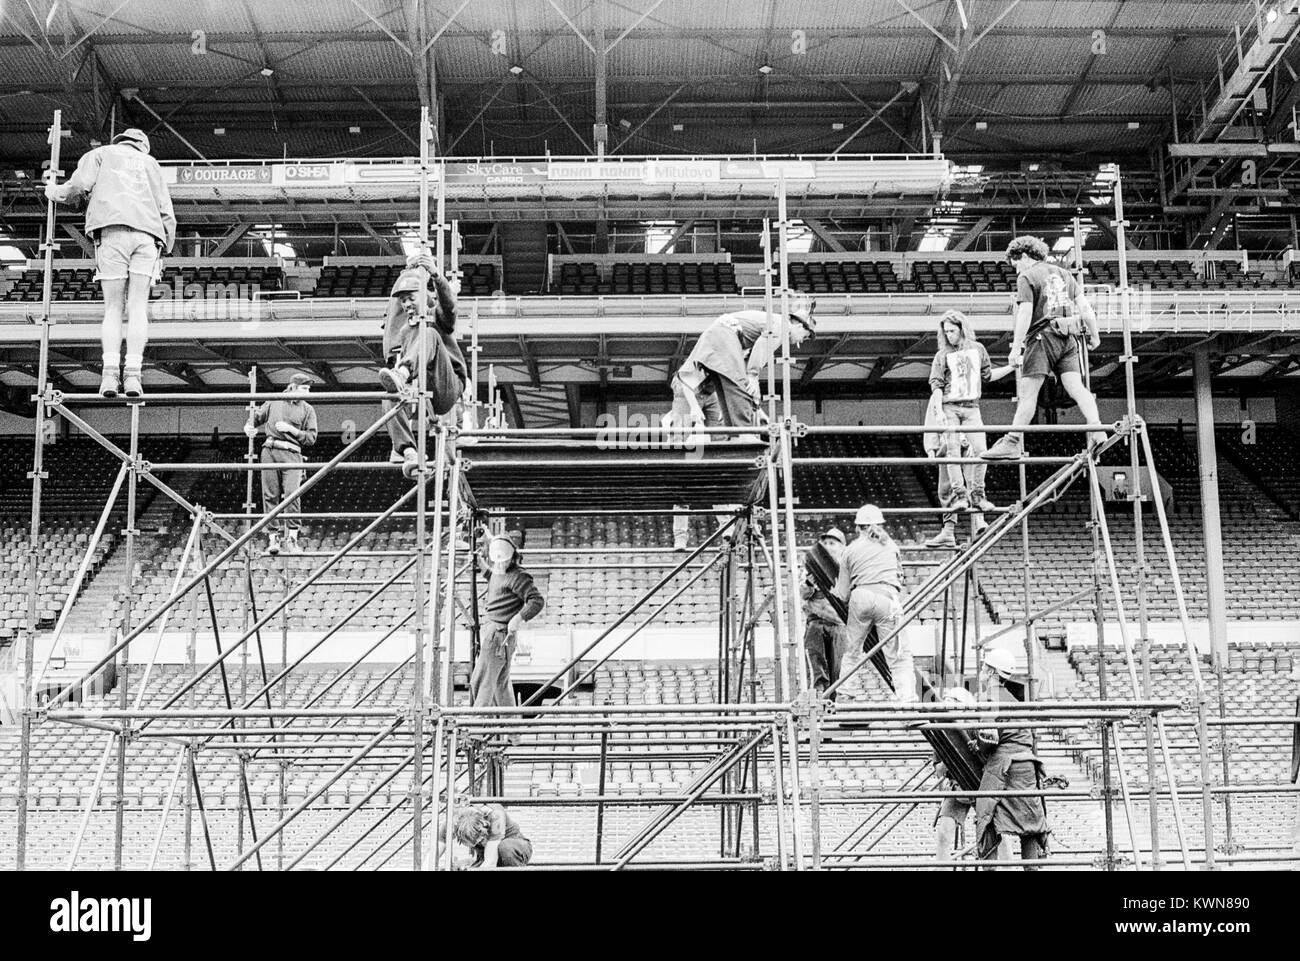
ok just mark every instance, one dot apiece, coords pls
pixel 421 499
pixel 1098 614
pixel 1144 639
pixel 38 476
pixel 123 678
pixel 448 613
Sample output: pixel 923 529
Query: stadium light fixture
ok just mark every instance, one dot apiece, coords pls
pixel 837 126
pixel 354 130
pixel 1133 125
pixel 516 69
pixel 678 127
pixel 765 69
pixel 218 131
pixel 625 124
pixel 981 125
pixel 266 71
pixel 1033 168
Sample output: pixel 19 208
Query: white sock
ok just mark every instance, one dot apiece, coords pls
pixel 133 362
pixel 112 363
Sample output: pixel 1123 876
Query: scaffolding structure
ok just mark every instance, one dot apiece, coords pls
pixel 758 763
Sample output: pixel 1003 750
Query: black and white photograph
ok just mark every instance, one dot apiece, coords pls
pixel 850 439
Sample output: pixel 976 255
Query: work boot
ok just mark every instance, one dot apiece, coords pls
pixel 395 457
pixel 960 502
pixel 274 546
pixel 410 462
pixel 394 379
pixel 946 538
pixel 1008 447
pixel 982 502
pixel 981 525
pixel 108 385
pixel 131 385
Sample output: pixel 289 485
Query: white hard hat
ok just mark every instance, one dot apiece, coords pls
pixel 958 695
pixel 869 514
pixel 1001 660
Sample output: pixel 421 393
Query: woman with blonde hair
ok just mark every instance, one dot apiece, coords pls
pixel 871 583
pixel 960 367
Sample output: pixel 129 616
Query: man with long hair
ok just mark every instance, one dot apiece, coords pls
pixel 958 372
pixel 1051 311
pixel 493 837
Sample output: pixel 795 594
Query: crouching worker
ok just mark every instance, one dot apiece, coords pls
pixel 719 383
pixel 492 836
pixel 512 599
pixel 446 364
pixel 290 426
pixel 1009 765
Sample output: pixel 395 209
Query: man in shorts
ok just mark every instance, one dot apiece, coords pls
pixel 1050 311
pixel 129 216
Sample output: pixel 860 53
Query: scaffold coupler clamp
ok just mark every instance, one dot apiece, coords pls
pixel 797 428
pixel 1115 862
pixel 53 397
pixel 1230 848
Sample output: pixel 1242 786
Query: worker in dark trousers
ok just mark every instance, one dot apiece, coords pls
pixel 512 599
pixel 290 426
pixel 1009 765
pixel 446 364
pixel 824 637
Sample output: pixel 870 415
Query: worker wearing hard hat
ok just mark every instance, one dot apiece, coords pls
pixel 446 364
pixel 1009 765
pixel 871 582
pixel 824 636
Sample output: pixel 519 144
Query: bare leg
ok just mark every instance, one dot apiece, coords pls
pixel 1028 401
pixel 137 313
pixel 111 332
pixel 1082 396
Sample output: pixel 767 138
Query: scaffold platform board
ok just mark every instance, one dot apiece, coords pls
pixel 577 474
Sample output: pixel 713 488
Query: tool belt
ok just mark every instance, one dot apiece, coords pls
pixel 282 445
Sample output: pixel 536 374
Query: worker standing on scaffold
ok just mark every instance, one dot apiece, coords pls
pixel 447 371
pixel 290 426
pixel 1009 765
pixel 129 216
pixel 512 599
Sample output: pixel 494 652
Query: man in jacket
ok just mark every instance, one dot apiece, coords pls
pixel 446 364
pixel 718 385
pixel 824 636
pixel 129 216
pixel 290 426
pixel 512 599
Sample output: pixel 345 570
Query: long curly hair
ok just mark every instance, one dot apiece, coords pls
pixel 1032 247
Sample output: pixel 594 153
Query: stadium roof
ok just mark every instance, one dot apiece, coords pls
pixel 256 78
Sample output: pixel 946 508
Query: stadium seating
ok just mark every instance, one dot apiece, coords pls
pixel 844 277
pixel 376 280
pixel 642 277
pixel 216 279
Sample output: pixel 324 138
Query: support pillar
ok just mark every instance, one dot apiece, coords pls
pixel 1211 528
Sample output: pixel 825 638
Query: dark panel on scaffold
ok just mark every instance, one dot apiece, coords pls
pixel 565 475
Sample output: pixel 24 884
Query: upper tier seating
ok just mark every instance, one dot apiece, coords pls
pixel 78 284
pixel 844 277
pixel 376 280
pixel 655 277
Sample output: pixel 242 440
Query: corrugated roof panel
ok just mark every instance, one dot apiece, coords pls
pixel 1008 56
pixel 379 60
pixel 27 65
pixel 1184 14
pixel 682 58
pixel 1058 14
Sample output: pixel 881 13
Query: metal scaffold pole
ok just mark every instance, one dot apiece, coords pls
pixel 38 476
pixel 124 665
pixel 1128 360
